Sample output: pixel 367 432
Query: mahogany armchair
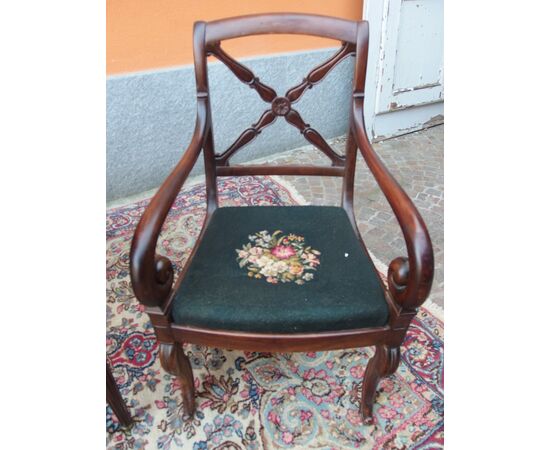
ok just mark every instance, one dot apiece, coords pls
pixel 282 279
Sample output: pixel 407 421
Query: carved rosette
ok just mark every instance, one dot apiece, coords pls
pixel 280 106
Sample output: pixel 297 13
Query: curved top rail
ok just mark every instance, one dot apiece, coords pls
pixel 281 23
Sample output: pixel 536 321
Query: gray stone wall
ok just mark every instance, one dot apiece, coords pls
pixel 151 115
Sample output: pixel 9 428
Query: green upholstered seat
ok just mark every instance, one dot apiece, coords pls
pixel 274 288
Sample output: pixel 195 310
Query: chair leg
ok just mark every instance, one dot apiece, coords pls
pixel 382 364
pixel 116 402
pixel 175 362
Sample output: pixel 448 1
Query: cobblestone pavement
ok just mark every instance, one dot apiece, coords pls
pixel 416 161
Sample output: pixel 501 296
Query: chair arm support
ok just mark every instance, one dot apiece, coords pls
pixel 152 275
pixel 409 279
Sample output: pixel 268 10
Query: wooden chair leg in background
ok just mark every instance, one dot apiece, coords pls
pixel 176 363
pixel 116 402
pixel 382 364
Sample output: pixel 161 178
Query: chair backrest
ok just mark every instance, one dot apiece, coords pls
pixel 207 42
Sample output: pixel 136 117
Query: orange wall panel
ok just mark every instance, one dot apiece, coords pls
pixel 150 34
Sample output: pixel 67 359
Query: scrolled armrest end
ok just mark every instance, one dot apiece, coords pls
pixel 398 275
pixel 152 283
pixel 410 286
pixel 164 271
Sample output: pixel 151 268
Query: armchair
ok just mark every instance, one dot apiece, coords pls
pixel 281 278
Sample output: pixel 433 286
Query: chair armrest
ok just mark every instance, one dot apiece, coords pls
pixel 152 275
pixel 409 279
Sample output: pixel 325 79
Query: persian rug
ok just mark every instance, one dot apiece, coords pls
pixel 249 400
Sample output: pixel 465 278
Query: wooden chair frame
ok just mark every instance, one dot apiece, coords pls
pixel 409 278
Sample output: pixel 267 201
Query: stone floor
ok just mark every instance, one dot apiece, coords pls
pixel 416 161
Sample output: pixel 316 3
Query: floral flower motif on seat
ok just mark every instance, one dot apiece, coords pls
pixel 278 257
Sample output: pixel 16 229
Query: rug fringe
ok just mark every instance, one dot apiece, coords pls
pixel 380 266
pixel 291 189
pixel 125 201
pixel 434 309
pixel 136 198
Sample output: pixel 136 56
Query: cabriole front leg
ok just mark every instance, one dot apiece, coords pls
pixel 175 362
pixel 382 364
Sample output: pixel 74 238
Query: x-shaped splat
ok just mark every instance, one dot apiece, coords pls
pixel 281 106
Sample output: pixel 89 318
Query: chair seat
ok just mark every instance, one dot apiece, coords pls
pixel 274 269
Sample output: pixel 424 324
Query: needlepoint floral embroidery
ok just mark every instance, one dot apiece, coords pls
pixel 278 257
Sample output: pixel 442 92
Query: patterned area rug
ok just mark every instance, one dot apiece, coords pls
pixel 248 400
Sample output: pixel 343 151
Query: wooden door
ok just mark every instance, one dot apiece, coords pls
pixel 405 73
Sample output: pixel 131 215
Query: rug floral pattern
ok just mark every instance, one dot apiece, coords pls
pixel 249 400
